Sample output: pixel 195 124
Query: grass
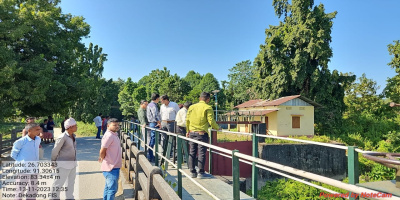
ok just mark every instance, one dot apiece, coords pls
pixel 232 137
pixel 86 129
pixel 316 138
pixel 6 128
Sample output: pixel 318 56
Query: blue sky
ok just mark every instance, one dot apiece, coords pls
pixel 212 36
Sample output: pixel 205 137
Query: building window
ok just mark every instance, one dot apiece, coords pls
pixel 301 108
pixel 295 121
pixel 288 108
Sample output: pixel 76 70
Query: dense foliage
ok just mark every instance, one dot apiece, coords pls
pixel 44 66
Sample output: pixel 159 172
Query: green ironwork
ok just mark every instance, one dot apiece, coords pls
pixel 139 133
pixel 156 149
pixel 210 153
pixel 254 169
pixel 353 167
pixel 235 175
pixel 186 150
pixel 167 152
pixel 145 140
pixel 179 143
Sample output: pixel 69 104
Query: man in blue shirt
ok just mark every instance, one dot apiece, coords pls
pixel 26 150
pixel 153 116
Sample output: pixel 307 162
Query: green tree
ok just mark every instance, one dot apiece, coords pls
pixel 154 81
pixel 139 94
pixel 361 98
pixel 295 57
pixel 91 86
pixel 240 82
pixel 40 66
pixel 125 97
pixel 175 88
pixel 193 78
pixel 392 89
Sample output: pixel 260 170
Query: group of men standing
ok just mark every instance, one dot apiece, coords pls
pixel 26 150
pixel 192 121
pixel 63 158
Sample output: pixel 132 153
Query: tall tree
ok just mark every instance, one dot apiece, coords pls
pixel 240 85
pixel 295 57
pixel 154 81
pixel 362 99
pixel 125 97
pixel 89 85
pixel 193 78
pixel 40 46
pixel 392 89
pixel 175 88
pixel 139 94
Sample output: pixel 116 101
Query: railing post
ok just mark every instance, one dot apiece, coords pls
pixel 254 169
pixel 139 133
pixel 1 143
pixel 14 134
pixel 145 140
pixel 156 149
pixel 353 167
pixel 179 143
pixel 210 165
pixel 235 175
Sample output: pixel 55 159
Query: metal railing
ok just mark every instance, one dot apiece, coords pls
pixel 148 180
pixel 6 145
pixel 256 163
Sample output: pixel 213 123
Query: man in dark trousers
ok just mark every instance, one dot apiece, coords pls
pixel 200 117
pixel 142 115
pixel 153 116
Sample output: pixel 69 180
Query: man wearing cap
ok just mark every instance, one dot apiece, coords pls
pixel 26 150
pixel 199 118
pixel 64 153
pixel 111 158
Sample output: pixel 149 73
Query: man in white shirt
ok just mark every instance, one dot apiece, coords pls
pixel 181 123
pixel 181 118
pixel 98 123
pixel 168 111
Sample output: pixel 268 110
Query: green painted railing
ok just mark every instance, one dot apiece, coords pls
pixel 237 157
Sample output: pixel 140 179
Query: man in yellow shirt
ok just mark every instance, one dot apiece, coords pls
pixel 200 117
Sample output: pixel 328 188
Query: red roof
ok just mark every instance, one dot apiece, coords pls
pixel 251 112
pixel 276 102
pixel 248 103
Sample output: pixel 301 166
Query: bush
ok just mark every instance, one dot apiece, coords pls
pixel 290 189
pixel 86 129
